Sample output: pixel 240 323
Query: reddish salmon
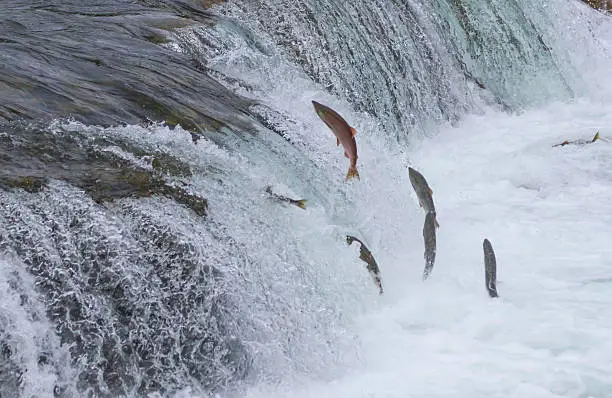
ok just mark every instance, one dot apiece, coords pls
pixel 344 133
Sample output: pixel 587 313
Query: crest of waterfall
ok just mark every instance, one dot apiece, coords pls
pixel 139 258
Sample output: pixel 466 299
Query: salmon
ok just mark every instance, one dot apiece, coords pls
pixel 344 133
pixel 429 236
pixel 301 203
pixel 366 256
pixel 423 192
pixel 580 142
pixel 490 268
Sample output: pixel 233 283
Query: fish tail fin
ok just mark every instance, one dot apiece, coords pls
pixel 302 203
pixel 596 137
pixel 352 172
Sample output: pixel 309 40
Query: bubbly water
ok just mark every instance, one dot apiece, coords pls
pixel 142 296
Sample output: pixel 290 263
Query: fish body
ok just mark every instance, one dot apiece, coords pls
pixel 423 192
pixel 490 268
pixel 580 142
pixel 366 256
pixel 301 203
pixel 344 133
pixel 429 236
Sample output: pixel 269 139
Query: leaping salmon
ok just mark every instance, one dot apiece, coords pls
pixel 429 236
pixel 490 269
pixel 423 192
pixel 366 256
pixel 301 203
pixel 344 133
pixel 580 142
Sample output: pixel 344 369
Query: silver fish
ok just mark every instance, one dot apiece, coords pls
pixel 423 192
pixel 429 236
pixel 366 256
pixel 490 268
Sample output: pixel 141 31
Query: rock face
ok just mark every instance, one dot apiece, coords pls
pixel 132 297
pixel 132 301
pixel 31 157
pixel 210 3
pixel 605 5
pixel 131 76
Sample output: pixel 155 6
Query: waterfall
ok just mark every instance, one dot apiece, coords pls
pixel 139 251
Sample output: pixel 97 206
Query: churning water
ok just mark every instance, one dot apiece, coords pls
pixel 142 259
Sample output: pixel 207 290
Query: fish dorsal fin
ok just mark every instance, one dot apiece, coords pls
pixel 353 132
pixel 430 191
pixel 596 137
pixel 337 141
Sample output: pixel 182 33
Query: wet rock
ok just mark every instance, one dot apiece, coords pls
pixel 604 5
pixel 210 3
pixel 33 157
pixel 125 78
pixel 28 183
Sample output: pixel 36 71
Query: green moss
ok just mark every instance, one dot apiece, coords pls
pixel 161 112
pixel 599 4
pixel 162 161
pixel 103 175
pixel 215 124
pixel 197 204
pixel 210 3
pixel 156 38
pixel 170 165
pixel 111 184
pixel 28 183
pixel 170 23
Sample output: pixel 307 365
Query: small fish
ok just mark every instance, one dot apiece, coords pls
pixel 366 256
pixel 490 268
pixel 344 133
pixel 580 142
pixel 429 235
pixel 301 203
pixel 423 192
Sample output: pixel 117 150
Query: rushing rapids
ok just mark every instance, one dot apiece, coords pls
pixel 139 253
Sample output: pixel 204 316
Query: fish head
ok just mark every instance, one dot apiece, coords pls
pixel 418 181
pixel 412 173
pixel 320 109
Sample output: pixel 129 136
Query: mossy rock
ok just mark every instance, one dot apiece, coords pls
pixel 156 38
pixel 170 165
pixel 108 185
pixel 27 183
pixel 162 112
pixel 170 24
pixel 161 161
pixel 600 4
pixel 210 3
pixel 81 162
